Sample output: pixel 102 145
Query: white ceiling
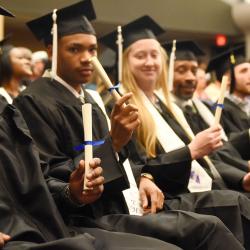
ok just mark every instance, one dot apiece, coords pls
pixel 196 19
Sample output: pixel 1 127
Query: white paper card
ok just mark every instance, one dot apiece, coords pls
pixel 199 180
pixel 132 198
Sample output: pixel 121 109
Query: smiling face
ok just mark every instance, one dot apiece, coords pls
pixel 145 63
pixel 242 77
pixel 74 52
pixel 185 78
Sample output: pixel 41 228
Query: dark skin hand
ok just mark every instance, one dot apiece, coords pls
pixel 124 120
pixel 94 184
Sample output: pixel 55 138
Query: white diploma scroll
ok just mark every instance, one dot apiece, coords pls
pixel 87 125
pixel 220 102
pixel 103 75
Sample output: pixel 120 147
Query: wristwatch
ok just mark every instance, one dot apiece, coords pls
pixel 148 176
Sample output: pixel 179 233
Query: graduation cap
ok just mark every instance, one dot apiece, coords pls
pixel 5 12
pixel 108 59
pixel 185 50
pixel 141 28
pixel 227 61
pixel 70 20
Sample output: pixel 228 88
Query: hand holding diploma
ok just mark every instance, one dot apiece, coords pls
pixel 94 184
pixel 124 120
pixel 103 75
pixel 124 117
pixel 87 126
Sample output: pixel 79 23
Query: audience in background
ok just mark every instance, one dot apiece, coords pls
pixel 15 66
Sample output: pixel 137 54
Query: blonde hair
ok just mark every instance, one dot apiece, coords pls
pixel 146 133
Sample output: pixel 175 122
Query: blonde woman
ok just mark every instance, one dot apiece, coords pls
pixel 164 135
pixel 144 72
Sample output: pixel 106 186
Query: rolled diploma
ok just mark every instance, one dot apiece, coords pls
pixel 221 99
pixel 101 72
pixel 87 126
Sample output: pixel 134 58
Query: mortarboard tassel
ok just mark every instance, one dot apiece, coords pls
pixel 54 45
pixel 232 75
pixel 171 67
pixel 120 49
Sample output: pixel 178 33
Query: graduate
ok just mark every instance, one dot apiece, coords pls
pixel 52 109
pixel 233 168
pixel 163 134
pixel 24 192
pixel 236 112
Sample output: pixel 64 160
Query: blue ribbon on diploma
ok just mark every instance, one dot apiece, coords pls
pixel 218 105
pixel 115 87
pixel 93 143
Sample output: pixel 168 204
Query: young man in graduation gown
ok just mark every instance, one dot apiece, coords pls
pixel 236 112
pixel 52 110
pixel 24 192
pixel 232 167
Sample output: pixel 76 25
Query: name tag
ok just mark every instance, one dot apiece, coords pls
pixel 132 198
pixel 199 180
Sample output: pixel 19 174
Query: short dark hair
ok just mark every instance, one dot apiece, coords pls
pixel 5 64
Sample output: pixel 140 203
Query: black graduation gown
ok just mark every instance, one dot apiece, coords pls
pixel 173 180
pixel 239 138
pixel 23 194
pixel 227 159
pixel 241 141
pixel 176 178
pixel 224 204
pixel 233 118
pixel 183 136
pixel 171 171
pixel 53 115
pixel 48 106
pixel 22 182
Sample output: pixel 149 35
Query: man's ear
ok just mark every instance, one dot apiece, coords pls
pixel 49 50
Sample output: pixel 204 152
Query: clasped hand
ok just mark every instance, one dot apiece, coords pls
pixel 95 182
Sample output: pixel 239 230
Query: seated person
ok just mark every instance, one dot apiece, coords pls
pixel 31 225
pixel 236 112
pixel 55 121
pixel 24 193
